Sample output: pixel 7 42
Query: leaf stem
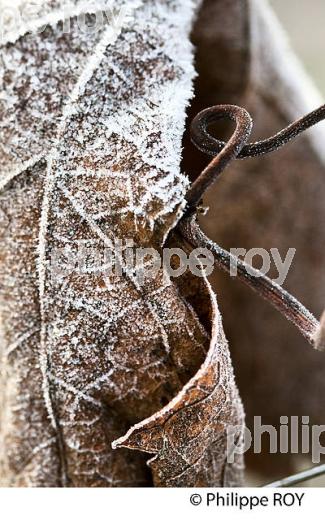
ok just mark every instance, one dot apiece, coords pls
pixel 299 477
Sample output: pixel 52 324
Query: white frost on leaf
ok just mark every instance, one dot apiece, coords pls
pixel 104 115
pixel 25 16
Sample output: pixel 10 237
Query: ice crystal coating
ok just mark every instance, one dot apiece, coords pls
pixel 91 125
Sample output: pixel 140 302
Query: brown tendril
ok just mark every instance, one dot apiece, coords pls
pixel 223 154
pixel 236 147
pixel 283 301
pixel 228 152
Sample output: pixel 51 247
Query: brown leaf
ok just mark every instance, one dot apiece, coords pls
pixel 189 435
pixel 92 131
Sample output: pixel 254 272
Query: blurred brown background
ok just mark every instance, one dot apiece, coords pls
pixel 281 207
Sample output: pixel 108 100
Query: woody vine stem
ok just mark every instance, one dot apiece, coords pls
pixel 223 153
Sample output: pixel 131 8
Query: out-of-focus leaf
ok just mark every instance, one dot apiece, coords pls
pixel 276 201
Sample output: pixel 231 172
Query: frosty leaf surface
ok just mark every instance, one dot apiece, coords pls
pixel 90 154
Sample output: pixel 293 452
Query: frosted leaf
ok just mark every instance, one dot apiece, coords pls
pixel 92 127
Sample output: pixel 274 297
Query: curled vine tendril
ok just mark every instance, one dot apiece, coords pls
pixel 236 147
pixel 223 153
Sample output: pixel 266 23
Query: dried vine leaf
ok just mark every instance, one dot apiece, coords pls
pixel 189 435
pixel 92 126
pixel 275 201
